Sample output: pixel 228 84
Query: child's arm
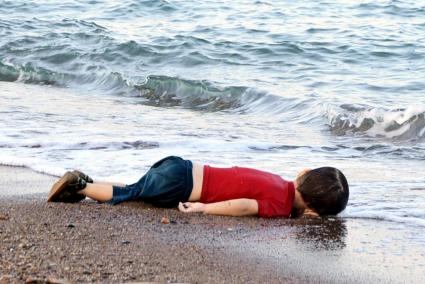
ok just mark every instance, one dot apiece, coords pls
pixel 234 207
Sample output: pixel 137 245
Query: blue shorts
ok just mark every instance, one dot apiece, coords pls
pixel 168 182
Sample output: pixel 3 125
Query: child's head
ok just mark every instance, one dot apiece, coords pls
pixel 325 190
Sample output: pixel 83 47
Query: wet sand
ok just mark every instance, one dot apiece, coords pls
pixel 91 242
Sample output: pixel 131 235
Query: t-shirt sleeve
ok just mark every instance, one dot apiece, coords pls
pixel 269 208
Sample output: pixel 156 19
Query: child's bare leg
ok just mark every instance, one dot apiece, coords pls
pixel 110 183
pixel 98 191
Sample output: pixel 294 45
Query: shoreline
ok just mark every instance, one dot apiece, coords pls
pixel 92 242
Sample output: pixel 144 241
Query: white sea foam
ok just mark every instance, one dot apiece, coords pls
pixel 402 124
pixel 52 130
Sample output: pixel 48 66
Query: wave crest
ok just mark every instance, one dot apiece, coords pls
pixel 162 91
pixel 169 91
pixel 399 124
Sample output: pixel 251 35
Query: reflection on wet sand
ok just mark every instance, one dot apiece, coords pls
pixel 321 233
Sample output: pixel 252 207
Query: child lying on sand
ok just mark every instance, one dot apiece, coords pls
pixel 234 191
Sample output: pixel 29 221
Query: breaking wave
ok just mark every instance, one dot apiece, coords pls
pixel 168 91
pixel 161 91
pixel 397 124
pixel 165 91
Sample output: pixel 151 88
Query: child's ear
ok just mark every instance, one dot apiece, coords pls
pixel 310 213
pixel 302 172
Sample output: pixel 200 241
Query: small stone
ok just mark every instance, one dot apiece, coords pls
pixel 125 242
pixel 53 280
pixel 4 217
pixel 33 280
pixel 71 225
pixel 229 229
pixel 25 245
pixel 4 279
pixel 165 220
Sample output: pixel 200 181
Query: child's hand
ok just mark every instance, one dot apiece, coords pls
pixel 191 207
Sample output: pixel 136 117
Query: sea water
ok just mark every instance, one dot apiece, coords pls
pixel 109 87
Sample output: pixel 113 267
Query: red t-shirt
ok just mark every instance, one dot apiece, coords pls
pixel 273 194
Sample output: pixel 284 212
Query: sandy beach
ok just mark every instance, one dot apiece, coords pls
pixel 91 242
pixel 112 87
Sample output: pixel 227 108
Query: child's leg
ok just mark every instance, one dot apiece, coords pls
pixel 111 183
pixel 101 192
pixel 165 184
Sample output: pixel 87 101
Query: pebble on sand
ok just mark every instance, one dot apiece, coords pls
pixel 4 217
pixel 165 220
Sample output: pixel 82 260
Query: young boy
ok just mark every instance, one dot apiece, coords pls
pixel 233 191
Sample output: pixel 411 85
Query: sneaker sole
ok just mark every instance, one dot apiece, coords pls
pixel 59 186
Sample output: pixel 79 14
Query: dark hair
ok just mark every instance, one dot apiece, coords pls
pixel 325 190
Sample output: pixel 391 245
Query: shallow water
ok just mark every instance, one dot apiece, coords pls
pixel 112 86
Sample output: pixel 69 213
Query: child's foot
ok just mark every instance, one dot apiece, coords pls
pixel 83 176
pixel 66 189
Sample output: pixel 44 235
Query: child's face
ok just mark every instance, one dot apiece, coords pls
pixel 304 210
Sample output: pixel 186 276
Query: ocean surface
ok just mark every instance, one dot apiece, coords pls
pixel 109 87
